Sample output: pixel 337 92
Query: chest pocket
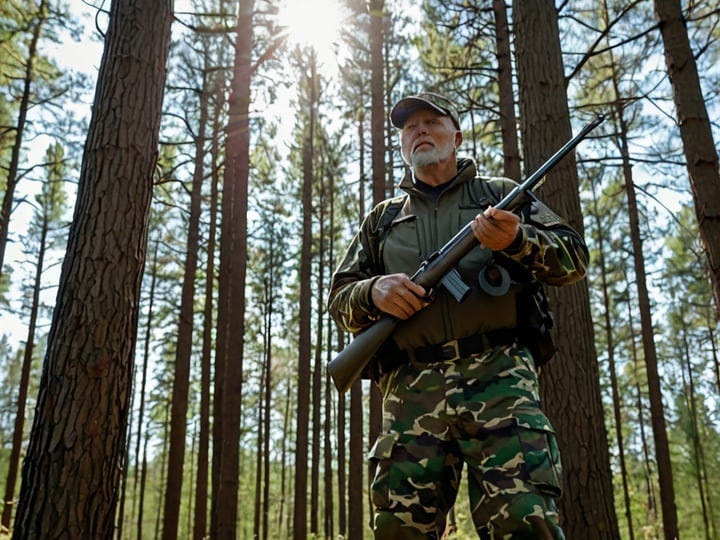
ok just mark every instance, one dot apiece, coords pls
pixel 401 239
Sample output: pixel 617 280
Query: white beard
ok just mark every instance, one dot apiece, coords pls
pixel 431 156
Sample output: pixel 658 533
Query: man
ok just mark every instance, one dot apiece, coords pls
pixel 458 380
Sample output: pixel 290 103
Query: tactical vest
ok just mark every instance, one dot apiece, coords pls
pixel 532 319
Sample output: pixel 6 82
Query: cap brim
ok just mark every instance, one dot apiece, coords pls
pixel 406 106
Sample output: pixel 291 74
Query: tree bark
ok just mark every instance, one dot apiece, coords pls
pixel 570 382
pixel 356 521
pixel 356 524
pixel 201 475
pixel 508 120
pixel 142 434
pixel 183 350
pixel 657 409
pixel 266 408
pixel 305 347
pixel 75 455
pixel 318 371
pixel 378 121
pixel 231 289
pixel 378 118
pixel 662 450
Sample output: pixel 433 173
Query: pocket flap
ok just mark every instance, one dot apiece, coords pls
pixel 533 421
pixel 384 444
pixel 542 460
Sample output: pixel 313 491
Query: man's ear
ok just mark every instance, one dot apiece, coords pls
pixel 458 138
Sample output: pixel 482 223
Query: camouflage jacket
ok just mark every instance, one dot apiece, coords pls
pixel 547 249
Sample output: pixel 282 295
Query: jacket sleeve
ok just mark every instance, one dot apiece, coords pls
pixel 552 250
pixel 349 300
pixel 546 244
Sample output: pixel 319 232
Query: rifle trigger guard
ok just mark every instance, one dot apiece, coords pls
pixel 494 280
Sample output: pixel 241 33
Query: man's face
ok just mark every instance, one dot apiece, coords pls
pixel 428 138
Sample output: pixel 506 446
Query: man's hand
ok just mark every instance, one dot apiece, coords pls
pixel 496 229
pixel 398 295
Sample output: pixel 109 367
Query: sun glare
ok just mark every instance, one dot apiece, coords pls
pixel 314 23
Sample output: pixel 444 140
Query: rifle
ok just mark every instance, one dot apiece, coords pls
pixel 437 269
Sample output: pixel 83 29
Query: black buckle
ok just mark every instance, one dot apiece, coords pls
pixel 450 350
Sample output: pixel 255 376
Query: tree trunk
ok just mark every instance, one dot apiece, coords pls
pixel 694 425
pixel 231 288
pixel 639 406
pixel 621 129
pixel 339 427
pixel 142 434
pixel 51 204
pixel 378 117
pixel 328 453
pixel 163 469
pixel 662 449
pixel 356 452
pixel 657 410
pixel 259 449
pixel 341 455
pixel 75 455
pixel 701 155
pixel 356 522
pixel 508 120
pixel 183 351
pixel 201 474
pixel 318 371
pixel 570 382
pixel 266 407
pixel 282 518
pixel 378 120
pixel 305 347
pixel 610 336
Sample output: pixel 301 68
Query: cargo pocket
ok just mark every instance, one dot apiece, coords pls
pixel 380 455
pixel 542 459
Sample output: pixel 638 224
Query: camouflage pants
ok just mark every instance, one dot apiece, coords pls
pixel 482 411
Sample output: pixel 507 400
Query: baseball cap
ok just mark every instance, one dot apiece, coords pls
pixel 423 100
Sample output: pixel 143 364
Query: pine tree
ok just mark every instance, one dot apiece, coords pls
pixel 72 469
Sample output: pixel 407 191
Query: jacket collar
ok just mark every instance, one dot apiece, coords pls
pixel 466 172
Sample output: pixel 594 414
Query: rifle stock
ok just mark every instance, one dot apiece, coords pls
pixel 349 364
